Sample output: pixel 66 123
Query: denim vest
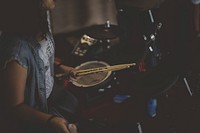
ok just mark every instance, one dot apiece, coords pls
pixel 25 52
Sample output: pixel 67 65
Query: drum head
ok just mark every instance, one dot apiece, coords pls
pixel 92 79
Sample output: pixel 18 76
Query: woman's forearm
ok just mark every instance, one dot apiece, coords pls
pixel 26 115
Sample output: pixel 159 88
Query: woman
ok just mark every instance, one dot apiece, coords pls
pixel 26 69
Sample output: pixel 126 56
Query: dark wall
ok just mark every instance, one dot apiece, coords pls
pixel 71 15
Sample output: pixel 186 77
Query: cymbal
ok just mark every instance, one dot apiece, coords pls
pixel 103 31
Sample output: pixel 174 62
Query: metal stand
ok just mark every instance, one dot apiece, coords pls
pixel 150 43
pixel 139 127
pixel 188 86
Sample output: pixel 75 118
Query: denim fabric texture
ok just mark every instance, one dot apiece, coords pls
pixel 25 52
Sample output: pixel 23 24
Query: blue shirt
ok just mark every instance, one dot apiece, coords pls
pixel 26 52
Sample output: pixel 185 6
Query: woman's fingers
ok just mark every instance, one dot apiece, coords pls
pixel 72 128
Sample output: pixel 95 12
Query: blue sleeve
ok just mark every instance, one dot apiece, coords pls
pixel 15 50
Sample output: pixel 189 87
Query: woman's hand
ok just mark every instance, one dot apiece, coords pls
pixel 67 72
pixel 60 125
pixel 70 72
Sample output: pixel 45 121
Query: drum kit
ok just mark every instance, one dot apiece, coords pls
pixel 95 74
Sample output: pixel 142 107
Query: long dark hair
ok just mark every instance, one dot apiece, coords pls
pixel 23 17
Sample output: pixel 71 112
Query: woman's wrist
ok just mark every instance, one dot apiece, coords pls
pixel 58 65
pixel 50 119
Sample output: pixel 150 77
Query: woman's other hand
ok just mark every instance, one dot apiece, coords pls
pixel 60 125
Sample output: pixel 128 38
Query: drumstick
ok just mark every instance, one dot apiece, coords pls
pixel 103 69
pixel 99 69
pixel 106 67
